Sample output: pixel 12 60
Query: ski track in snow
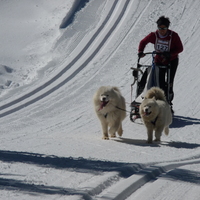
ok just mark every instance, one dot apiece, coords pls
pixel 72 63
pixel 124 181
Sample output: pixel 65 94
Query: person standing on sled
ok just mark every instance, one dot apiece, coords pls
pixel 168 44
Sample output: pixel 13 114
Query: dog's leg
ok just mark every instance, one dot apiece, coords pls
pixel 120 130
pixel 104 126
pixel 150 135
pixel 157 139
pixel 158 133
pixel 114 128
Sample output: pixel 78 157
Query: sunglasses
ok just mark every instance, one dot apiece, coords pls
pixel 159 28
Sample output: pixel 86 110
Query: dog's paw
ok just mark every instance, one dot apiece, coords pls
pixel 113 135
pixel 105 138
pixel 149 141
pixel 157 140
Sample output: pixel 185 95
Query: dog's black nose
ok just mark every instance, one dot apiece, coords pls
pixel 104 98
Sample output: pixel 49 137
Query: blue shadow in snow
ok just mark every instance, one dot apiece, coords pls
pixel 184 175
pixel 180 121
pixel 23 186
pixel 182 145
pixel 69 18
pixel 174 144
pixel 70 163
pixel 66 163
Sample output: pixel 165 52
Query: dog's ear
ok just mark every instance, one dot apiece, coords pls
pixel 115 88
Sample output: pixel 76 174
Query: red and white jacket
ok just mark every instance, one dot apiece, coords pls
pixel 171 43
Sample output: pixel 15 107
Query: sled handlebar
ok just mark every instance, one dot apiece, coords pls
pixel 152 53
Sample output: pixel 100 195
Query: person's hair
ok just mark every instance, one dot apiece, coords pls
pixel 163 21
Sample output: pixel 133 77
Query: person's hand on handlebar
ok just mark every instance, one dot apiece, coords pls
pixel 141 54
pixel 166 54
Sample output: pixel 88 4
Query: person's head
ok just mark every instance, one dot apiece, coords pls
pixel 163 25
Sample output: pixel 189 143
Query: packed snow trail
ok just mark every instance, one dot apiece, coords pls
pixel 50 139
pixel 100 37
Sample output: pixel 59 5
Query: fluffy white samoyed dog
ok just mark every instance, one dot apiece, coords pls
pixel 155 113
pixel 110 107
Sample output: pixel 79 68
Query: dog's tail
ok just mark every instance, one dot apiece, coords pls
pixel 156 92
pixel 166 130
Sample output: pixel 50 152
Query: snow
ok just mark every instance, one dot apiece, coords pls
pixel 51 146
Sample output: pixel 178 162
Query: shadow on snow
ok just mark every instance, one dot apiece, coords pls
pixel 80 165
pixel 184 175
pixel 12 184
pixel 69 18
pixel 180 121
pixel 175 144
pixel 67 163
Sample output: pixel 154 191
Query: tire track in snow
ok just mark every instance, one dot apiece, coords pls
pixel 77 57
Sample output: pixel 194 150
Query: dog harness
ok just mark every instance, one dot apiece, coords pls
pixel 154 122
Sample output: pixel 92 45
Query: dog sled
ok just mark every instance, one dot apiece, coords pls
pixel 145 77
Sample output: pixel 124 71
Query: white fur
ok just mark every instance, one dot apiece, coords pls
pixel 113 113
pixel 154 108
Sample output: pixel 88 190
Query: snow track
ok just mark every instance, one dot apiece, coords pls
pixel 123 189
pixel 51 145
pixel 80 60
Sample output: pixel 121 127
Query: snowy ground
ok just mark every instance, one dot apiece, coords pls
pixel 51 146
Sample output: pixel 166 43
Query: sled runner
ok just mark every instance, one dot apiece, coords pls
pixel 145 77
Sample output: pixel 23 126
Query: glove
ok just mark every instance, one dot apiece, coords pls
pixel 141 54
pixel 166 54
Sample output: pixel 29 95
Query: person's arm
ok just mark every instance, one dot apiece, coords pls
pixel 148 39
pixel 177 45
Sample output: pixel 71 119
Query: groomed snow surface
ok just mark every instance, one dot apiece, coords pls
pixel 53 57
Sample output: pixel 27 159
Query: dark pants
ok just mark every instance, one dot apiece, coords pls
pixel 163 78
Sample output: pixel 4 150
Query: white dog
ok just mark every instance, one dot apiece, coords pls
pixel 110 108
pixel 155 113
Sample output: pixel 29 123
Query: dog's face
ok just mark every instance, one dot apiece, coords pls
pixel 104 98
pixel 107 97
pixel 148 108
